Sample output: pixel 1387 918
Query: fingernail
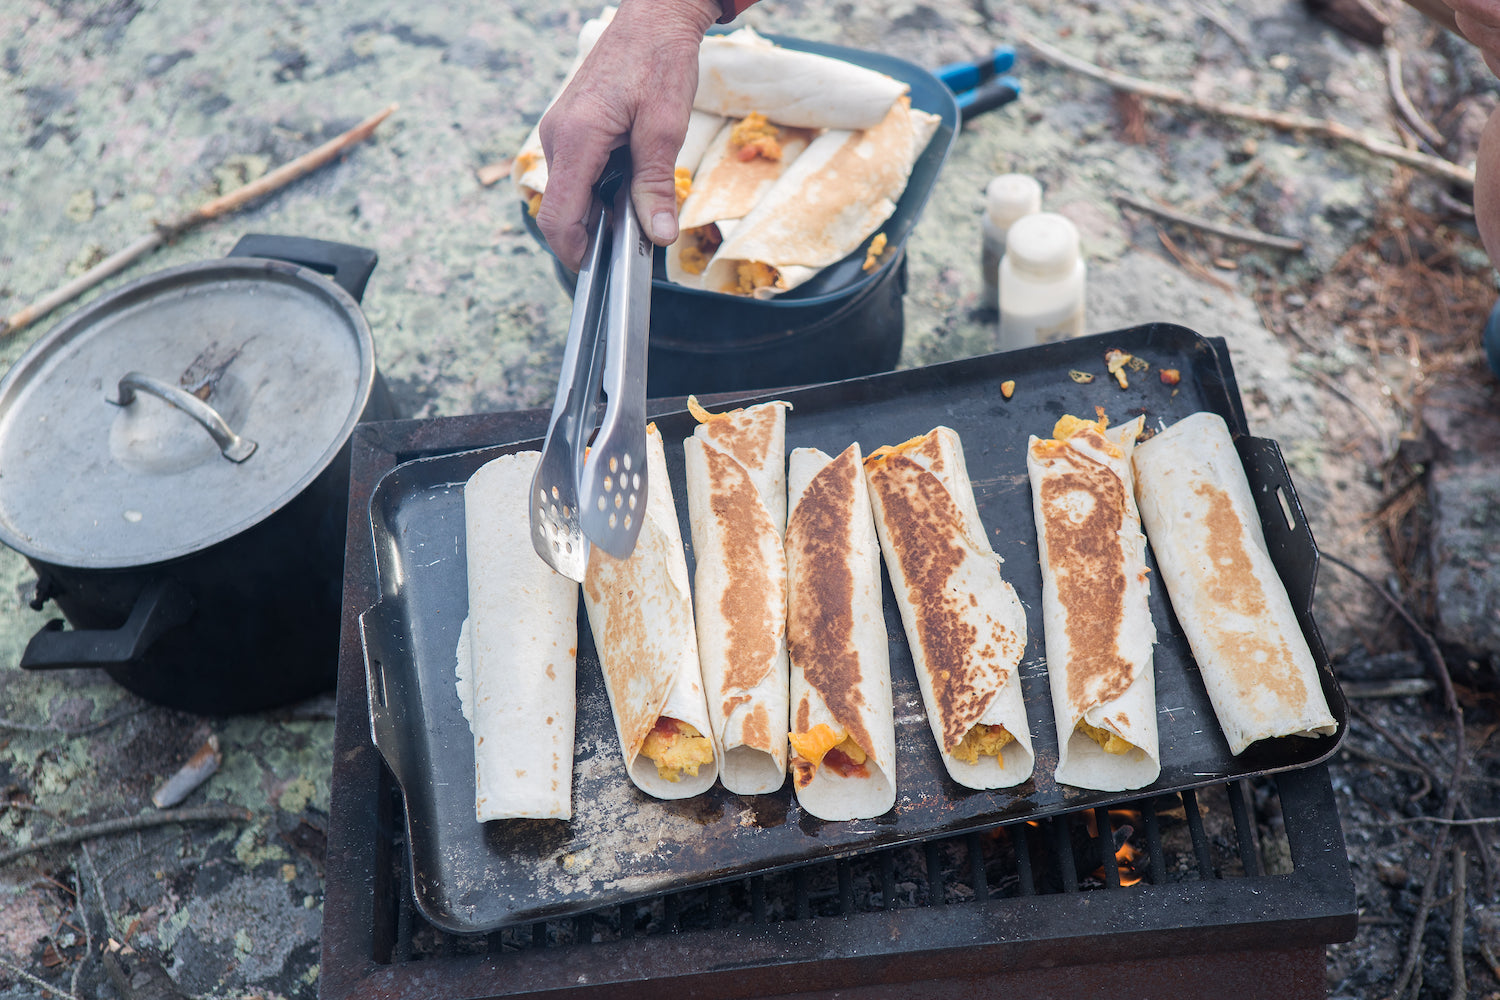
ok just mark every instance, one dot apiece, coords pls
pixel 663 227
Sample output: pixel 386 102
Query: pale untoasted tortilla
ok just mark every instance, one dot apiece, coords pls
pixel 837 194
pixel 640 611
pixel 1098 628
pixel 522 643
pixel 736 485
pixel 836 637
pixel 1202 524
pixel 964 623
pixel 726 187
pixel 743 72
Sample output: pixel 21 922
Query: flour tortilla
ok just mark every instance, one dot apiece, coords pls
pixel 963 621
pixel 736 483
pixel 1099 633
pixel 1201 520
pixel 726 188
pixel 528 171
pixel 523 643
pixel 836 195
pixel 640 611
pixel 743 72
pixel 840 665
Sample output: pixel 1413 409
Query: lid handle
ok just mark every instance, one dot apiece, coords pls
pixel 233 447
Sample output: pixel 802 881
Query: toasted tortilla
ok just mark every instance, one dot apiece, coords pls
pixel 736 483
pixel 963 621
pixel 1099 633
pixel 1202 524
pixel 522 637
pixel 836 638
pixel 725 188
pixel 836 195
pixel 743 72
pixel 640 611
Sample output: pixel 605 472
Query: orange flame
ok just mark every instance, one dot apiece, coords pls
pixel 1127 820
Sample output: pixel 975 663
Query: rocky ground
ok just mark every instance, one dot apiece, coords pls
pixel 1359 353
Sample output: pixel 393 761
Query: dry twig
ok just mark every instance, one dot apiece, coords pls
pixel 1460 987
pixel 1431 165
pixel 1228 232
pixel 1408 111
pixel 168 231
pixel 125 824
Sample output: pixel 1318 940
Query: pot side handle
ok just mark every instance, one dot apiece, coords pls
pixel 161 605
pixel 349 266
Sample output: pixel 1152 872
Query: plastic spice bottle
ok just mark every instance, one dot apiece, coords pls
pixel 1041 282
pixel 1006 199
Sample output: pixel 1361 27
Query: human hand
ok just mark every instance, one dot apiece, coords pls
pixel 635 86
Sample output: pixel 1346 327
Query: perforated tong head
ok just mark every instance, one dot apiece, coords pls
pixel 590 485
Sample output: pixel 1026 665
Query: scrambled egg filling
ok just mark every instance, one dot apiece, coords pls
pixel 754 136
pixel 1106 739
pixel 982 740
pixel 872 255
pixel 533 203
pixel 698 245
pixel 682 177
pixel 752 274
pixel 677 748
pixel 815 744
pixel 1068 425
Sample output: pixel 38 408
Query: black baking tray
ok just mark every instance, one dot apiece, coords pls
pixel 622 844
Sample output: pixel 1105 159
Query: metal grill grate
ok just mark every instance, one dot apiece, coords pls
pixel 1213 833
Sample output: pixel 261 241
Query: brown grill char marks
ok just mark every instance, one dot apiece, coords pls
pixel 1084 510
pixel 756 731
pixel 748 437
pixel 820 613
pixel 755 595
pixel 1261 664
pixel 924 523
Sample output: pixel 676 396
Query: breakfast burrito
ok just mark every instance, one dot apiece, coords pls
pixel 964 623
pixel 843 734
pixel 1097 620
pixel 640 611
pixel 523 639
pixel 528 171
pixel 740 165
pixel 736 483
pixel 743 72
pixel 1201 520
pixel 836 194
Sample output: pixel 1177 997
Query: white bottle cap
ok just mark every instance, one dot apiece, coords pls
pixel 1010 196
pixel 1043 245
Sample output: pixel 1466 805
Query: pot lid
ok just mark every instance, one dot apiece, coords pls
pixel 107 456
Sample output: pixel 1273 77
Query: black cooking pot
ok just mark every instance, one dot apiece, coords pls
pixel 176 470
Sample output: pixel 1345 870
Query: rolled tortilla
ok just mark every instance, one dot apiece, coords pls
pixel 528 171
pixel 843 735
pixel 743 72
pixel 1098 628
pixel 1202 524
pixel 736 483
pixel 963 621
pixel 731 178
pixel 837 193
pixel 523 644
pixel 640 611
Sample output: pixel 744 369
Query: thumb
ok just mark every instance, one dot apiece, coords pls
pixel 653 189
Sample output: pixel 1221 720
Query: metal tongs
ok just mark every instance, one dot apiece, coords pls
pixel 595 492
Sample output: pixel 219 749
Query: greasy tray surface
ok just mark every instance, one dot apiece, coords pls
pixel 623 844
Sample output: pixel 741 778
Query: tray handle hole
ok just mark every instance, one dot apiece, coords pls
pixel 378 674
pixel 1286 509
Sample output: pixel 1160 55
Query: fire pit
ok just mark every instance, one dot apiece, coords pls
pixel 1174 895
